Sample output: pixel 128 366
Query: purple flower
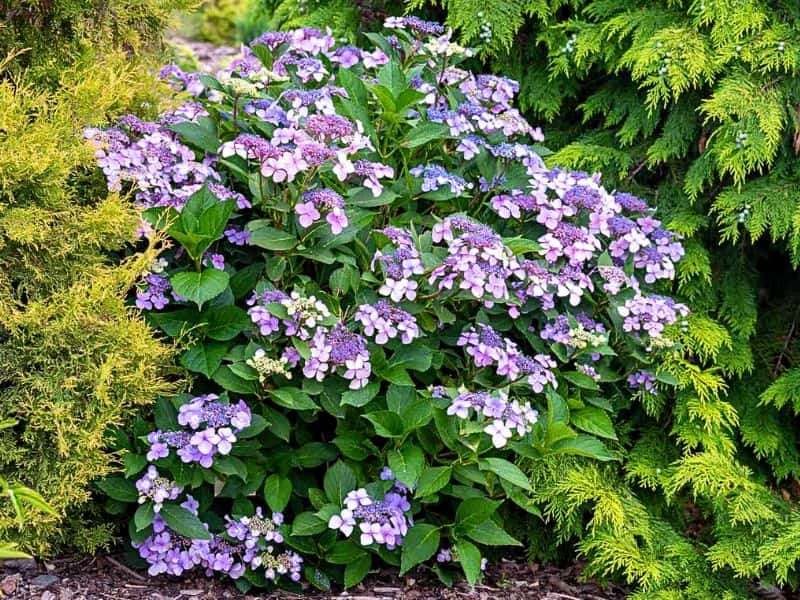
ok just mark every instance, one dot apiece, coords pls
pixel 156 489
pixel 435 176
pixel 385 322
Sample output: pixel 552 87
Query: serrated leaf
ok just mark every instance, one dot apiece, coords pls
pixel 420 543
pixel 357 570
pixel 200 287
pixel 506 470
pixel 204 358
pixel 119 488
pixel 432 480
pixel 265 236
pixel 277 491
pixel 470 558
pixel 407 464
pixel 338 482
pixel 595 421
pixel 184 522
pixel 490 533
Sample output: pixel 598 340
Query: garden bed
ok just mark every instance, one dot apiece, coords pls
pixel 105 577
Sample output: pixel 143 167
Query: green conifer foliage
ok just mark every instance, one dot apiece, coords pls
pixel 74 359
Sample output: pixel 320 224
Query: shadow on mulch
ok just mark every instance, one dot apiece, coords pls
pixel 105 578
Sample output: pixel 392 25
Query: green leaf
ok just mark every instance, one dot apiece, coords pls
pixel 581 380
pixel 8 551
pixel 144 515
pixel 470 558
pixel 400 396
pixel 508 471
pixel 361 397
pixel 391 75
pixel 407 464
pixel 350 446
pixel 201 134
pixel 520 245
pixel 432 480
pixel 264 236
pixel 308 523
pixel 134 463
pixel 491 534
pixel 119 488
pixel 226 322
pixel 416 414
pixel 257 425
pixel 584 445
pixel 184 522
pixel 293 398
pixel 595 421
pixel 165 415
pixel 420 543
pixel 230 465
pixel 314 454
pixel 474 511
pixel 424 133
pixel 386 423
pixel 338 481
pixel 667 378
pixel 176 322
pixel 200 287
pixel 277 491
pixel 342 553
pixel 413 356
pixel 244 280
pixel 357 570
pixel 366 199
pixel 204 358
pixel 229 380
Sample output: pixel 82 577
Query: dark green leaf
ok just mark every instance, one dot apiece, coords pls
pixel 144 515
pixel 200 287
pixel 293 398
pixel 474 511
pixel 339 480
pixel 420 543
pixel 264 236
pixel 432 480
pixel 508 471
pixel 584 445
pixel 201 134
pixel 184 522
pixel 226 322
pixel 308 523
pixel 277 491
pixel 119 488
pixel 361 397
pixel 357 570
pixel 204 358
pixel 491 534
pixel 232 382
pixel 407 464
pixel 595 421
pixel 470 558
pixel 386 423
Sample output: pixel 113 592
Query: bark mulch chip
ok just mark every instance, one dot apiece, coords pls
pixel 106 578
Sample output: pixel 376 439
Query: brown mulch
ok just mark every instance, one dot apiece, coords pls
pixel 106 578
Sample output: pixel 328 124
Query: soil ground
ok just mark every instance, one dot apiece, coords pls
pixel 104 577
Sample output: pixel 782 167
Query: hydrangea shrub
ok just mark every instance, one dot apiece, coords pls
pixel 386 300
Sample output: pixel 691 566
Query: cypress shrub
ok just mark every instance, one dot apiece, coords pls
pixel 73 358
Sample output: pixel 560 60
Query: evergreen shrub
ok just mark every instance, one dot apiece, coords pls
pixel 391 310
pixel 74 359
